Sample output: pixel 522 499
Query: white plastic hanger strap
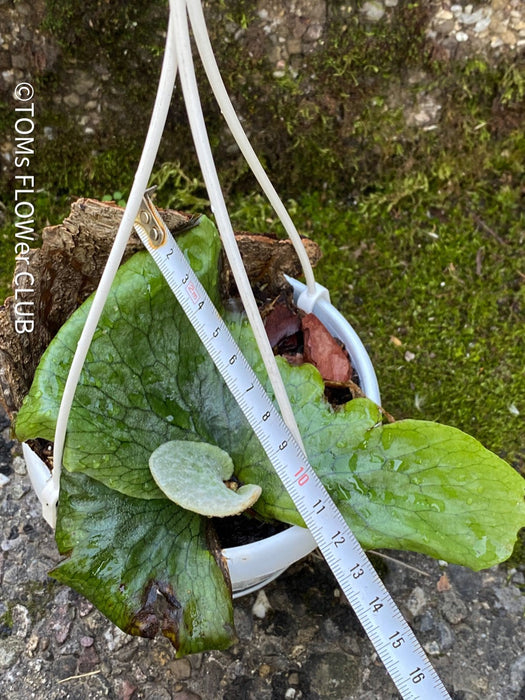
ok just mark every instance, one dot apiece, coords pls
pixel 202 40
pixel 154 135
pixel 140 183
pixel 218 205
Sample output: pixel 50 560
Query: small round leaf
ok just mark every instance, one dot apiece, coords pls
pixel 192 475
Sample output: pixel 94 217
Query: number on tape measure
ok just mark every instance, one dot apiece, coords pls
pixel 301 476
pixel 397 640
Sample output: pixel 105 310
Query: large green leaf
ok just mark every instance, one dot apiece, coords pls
pixel 148 381
pixel 127 403
pixel 434 480
pixel 152 560
pixel 412 485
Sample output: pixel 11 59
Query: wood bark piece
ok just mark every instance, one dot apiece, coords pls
pixel 322 350
pixel 68 266
pixel 267 259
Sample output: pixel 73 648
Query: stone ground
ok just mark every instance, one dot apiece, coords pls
pixel 298 640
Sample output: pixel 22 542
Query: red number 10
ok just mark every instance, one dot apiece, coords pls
pixel 301 477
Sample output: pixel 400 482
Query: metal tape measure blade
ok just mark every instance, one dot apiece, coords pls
pixel 389 632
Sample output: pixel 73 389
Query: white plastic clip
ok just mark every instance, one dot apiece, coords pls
pixel 308 299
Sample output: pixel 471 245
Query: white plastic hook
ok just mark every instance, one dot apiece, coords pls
pixel 308 298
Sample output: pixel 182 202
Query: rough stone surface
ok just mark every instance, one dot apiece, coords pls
pixel 286 32
pixel 489 28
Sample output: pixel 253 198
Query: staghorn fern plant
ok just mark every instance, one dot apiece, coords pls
pixel 154 433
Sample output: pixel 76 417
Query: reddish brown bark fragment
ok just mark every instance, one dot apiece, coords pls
pixel 323 351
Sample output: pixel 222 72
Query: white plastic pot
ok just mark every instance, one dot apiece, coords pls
pixel 254 565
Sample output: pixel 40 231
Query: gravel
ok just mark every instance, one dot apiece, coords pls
pixel 493 28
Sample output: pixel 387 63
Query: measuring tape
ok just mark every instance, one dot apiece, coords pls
pixel 388 631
